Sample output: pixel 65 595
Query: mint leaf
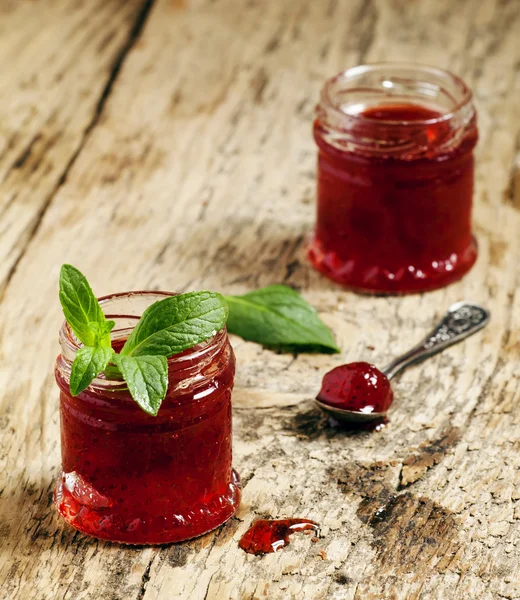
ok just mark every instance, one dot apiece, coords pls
pixel 176 323
pixel 100 329
pixel 82 310
pixel 89 361
pixel 277 316
pixel 147 379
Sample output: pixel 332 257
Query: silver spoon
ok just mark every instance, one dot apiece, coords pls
pixel 461 321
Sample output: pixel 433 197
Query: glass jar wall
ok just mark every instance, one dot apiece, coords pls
pixel 134 478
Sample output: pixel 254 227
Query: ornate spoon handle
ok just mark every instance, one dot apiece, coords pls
pixel 461 321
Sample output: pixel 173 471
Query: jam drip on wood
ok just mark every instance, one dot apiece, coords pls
pixel 271 535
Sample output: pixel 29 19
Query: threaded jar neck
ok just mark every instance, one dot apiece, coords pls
pixel 344 121
pixel 126 309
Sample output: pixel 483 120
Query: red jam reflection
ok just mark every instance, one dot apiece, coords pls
pixel 133 478
pixel 270 535
pixel 396 223
pixel 404 113
pixel 358 387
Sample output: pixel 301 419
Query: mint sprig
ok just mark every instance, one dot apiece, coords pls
pixel 87 321
pixel 166 328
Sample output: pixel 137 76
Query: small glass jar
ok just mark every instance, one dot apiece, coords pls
pixel 395 178
pixel 133 478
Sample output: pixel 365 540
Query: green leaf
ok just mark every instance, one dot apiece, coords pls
pixel 147 379
pixel 176 323
pixel 100 329
pixel 82 310
pixel 88 363
pixel 277 316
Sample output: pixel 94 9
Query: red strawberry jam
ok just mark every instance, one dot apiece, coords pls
pixel 358 387
pixel 271 535
pixel 130 477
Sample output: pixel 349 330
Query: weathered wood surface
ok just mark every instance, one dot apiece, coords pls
pixel 180 157
pixel 57 60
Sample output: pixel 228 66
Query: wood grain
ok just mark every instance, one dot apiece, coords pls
pixel 199 171
pixel 58 60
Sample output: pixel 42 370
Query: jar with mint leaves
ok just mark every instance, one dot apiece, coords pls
pixel 145 383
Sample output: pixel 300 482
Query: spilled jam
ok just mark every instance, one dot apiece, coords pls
pixel 271 535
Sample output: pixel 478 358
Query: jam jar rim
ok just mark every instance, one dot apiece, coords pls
pixel 70 344
pixel 327 102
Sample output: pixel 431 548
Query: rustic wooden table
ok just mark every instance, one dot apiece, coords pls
pixel 167 145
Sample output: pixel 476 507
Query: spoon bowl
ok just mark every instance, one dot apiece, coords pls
pixel 462 320
pixel 349 416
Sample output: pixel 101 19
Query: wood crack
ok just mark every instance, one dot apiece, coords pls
pixel 145 579
pixel 22 159
pixel 367 12
pixel 133 36
pixel 207 588
pixel 513 189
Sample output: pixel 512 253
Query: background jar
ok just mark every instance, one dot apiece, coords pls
pixel 395 178
pixel 130 477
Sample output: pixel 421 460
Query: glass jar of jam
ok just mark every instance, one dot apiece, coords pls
pixel 133 478
pixel 395 179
